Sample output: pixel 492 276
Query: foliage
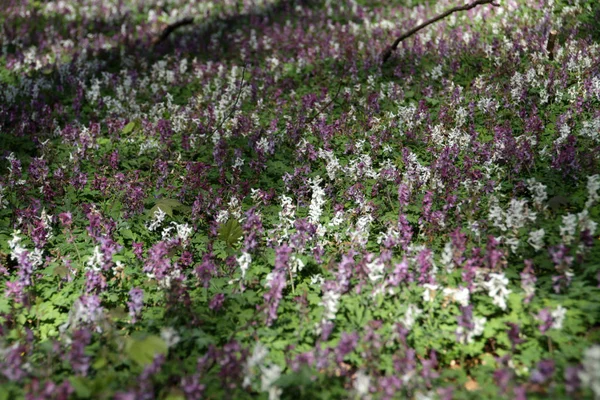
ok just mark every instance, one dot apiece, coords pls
pixel 268 212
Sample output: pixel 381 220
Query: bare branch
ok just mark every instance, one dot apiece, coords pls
pixel 388 52
pixel 172 27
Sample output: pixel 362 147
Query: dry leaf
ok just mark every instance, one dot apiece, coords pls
pixel 471 385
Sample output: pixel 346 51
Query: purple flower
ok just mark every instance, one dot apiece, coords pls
pixel 79 361
pixel 137 302
pixel 543 372
pixel 346 345
pixel 503 377
pixel 66 219
pixel 274 295
pixel 403 195
pixel 206 270
pixel 513 335
pixel 528 280
pixel 14 290
pixel 216 303
pixel 192 387
pixel 95 282
pixel 158 262
pixel 11 364
pixel 572 381
pixel 545 317
pixel 138 250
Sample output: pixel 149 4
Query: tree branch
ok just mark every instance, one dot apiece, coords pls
pixel 171 27
pixel 388 52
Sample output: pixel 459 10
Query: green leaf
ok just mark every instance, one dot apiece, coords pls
pixel 301 378
pixel 99 363
pixel 129 127
pixel 143 351
pixel 230 232
pixel 81 386
pixel 166 205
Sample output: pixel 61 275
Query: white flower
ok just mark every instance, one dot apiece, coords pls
pixel 244 261
pixel 269 375
pixel 536 239
pixel 170 336
pixel 429 293
pixel 157 220
pixel 95 261
pixel 259 353
pixel 518 213
pixel 465 336
pixel 461 296
pixel 361 384
pixel 496 286
pixel 184 231
pixel 222 216
pixel 316 279
pixel 446 257
pixel 568 227
pixel 539 191
pixel 410 316
pixel 333 165
pixel 375 269
pixel 430 395
pixel 593 185
pixel 330 301
pixel 296 263
pixel 317 202
pixel 590 376
pixel 558 317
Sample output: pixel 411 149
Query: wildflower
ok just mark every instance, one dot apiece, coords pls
pixel 528 280
pixel 317 202
pixel 136 296
pixel 429 293
pixel 469 326
pixel 216 303
pixel 536 239
pixel 170 336
pixel 361 384
pixel 539 192
pixel 558 316
pixel 244 261
pixel 330 301
pixel 346 345
pixel 157 219
pixel 590 374
pixel 496 286
pixel 276 281
pixel 543 372
pixel 461 296
pixel 593 185
pixel 410 316
pixel 268 377
pixel 514 335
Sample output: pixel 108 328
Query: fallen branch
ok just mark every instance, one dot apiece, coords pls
pixel 551 43
pixel 388 52
pixel 172 27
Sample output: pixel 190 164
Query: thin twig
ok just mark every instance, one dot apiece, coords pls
pixel 320 110
pixel 388 52
pixel 232 109
pixel 172 27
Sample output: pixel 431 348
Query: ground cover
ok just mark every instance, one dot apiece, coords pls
pixel 255 206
